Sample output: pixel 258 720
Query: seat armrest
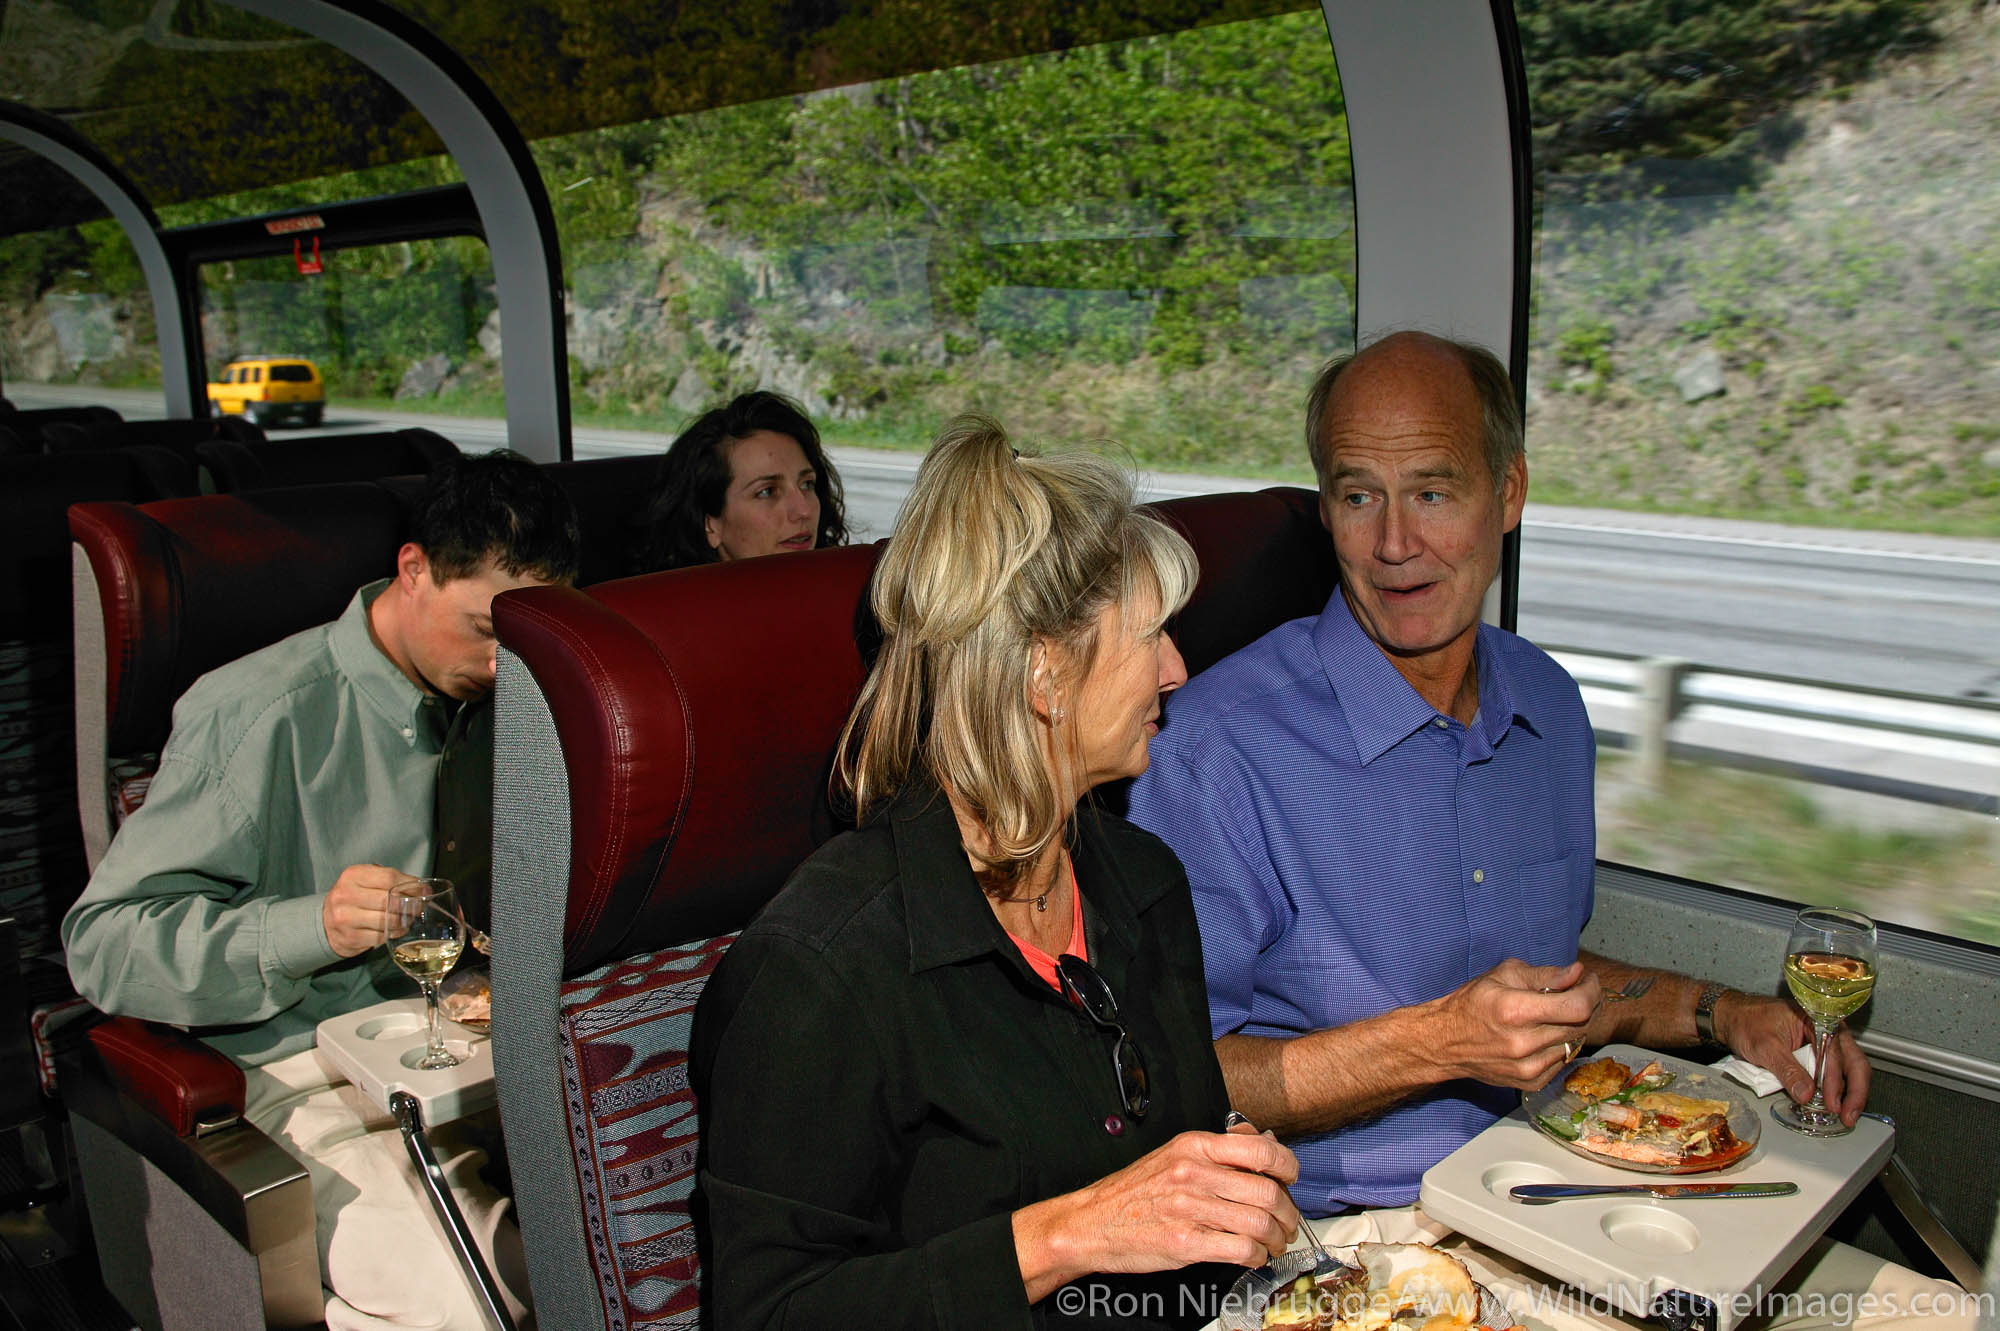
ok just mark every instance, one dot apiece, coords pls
pixel 132 1156
pixel 184 1082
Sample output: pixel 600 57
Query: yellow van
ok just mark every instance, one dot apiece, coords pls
pixel 270 390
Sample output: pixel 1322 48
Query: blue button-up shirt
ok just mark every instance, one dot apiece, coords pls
pixel 1353 850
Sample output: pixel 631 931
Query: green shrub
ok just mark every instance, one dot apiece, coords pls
pixel 1816 398
pixel 1587 346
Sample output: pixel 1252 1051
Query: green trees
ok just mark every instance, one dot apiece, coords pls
pixel 1143 207
pixel 1614 80
pixel 1161 173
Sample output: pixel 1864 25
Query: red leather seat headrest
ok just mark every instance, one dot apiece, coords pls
pixel 1265 559
pixel 698 712
pixel 191 584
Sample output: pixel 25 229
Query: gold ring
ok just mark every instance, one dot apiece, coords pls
pixel 1571 1049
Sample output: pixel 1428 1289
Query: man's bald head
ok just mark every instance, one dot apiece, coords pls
pixel 1398 357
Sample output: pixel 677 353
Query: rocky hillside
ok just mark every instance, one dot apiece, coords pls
pixel 1825 345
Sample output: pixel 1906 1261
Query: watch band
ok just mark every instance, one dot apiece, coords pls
pixel 1704 1011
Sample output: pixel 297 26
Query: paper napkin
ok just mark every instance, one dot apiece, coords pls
pixel 1756 1078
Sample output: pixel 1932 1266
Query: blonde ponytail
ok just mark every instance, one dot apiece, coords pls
pixel 995 553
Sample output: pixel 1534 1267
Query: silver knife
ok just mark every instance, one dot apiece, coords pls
pixel 1542 1193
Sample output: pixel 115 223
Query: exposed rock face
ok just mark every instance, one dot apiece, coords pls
pixel 86 328
pixel 760 359
pixel 609 336
pixel 691 392
pixel 1700 377
pixel 36 353
pixel 489 337
pixel 61 334
pixel 424 378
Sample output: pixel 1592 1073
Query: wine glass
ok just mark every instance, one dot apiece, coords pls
pixel 426 932
pixel 1830 969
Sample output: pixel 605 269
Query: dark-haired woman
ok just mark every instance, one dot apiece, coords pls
pixel 958 1073
pixel 746 479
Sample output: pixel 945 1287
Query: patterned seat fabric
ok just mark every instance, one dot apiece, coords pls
pixel 42 861
pixel 41 857
pixel 130 779
pixel 633 1127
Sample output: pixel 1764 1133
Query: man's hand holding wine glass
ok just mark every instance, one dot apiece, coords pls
pixel 426 935
pixel 1830 970
pixel 355 909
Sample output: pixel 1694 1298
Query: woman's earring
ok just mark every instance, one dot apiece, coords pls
pixel 1058 715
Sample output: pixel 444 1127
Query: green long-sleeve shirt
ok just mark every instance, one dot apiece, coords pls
pixel 283 769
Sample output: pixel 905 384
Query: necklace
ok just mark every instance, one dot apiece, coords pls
pixel 1042 899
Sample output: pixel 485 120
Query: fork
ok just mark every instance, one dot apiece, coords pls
pixel 1327 1263
pixel 1632 988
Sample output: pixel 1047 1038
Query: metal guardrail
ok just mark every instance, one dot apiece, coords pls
pixel 1935 750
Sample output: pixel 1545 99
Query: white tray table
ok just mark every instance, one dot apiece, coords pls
pixel 1642 1254
pixel 377 1048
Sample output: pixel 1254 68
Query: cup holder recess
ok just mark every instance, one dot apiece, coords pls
pixel 1498 1179
pixel 462 1050
pixel 1650 1229
pixel 390 1027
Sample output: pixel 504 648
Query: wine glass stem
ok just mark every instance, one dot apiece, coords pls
pixel 1823 1032
pixel 434 1045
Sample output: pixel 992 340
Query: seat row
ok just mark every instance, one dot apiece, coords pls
pixel 663 751
pixel 136 462
pixel 224 454
pixel 28 431
pixel 199 580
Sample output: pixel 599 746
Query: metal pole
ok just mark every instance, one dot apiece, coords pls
pixel 1902 1190
pixel 410 1118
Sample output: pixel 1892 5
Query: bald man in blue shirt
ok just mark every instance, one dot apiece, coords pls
pixel 1386 814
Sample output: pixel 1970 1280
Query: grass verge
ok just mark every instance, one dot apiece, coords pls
pixel 1918 865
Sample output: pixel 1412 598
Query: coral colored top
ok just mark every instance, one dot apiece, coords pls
pixel 1041 962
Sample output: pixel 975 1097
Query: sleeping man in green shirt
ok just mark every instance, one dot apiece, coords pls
pixel 246 897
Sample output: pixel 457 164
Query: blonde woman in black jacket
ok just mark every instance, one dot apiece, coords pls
pixel 959 1072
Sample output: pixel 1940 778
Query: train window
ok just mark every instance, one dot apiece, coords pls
pixel 413 323
pixel 1146 239
pixel 1764 436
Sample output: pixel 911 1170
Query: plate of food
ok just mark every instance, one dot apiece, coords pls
pixel 1652 1114
pixel 466 997
pixel 1385 1284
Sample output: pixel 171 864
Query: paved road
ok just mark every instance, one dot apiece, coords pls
pixel 1870 609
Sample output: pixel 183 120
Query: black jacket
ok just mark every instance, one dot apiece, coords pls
pixel 883 1081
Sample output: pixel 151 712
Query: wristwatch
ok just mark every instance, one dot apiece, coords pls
pixel 1704 1011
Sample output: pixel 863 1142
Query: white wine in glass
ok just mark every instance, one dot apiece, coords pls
pixel 1830 969
pixel 426 960
pixel 426 932
pixel 1829 985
